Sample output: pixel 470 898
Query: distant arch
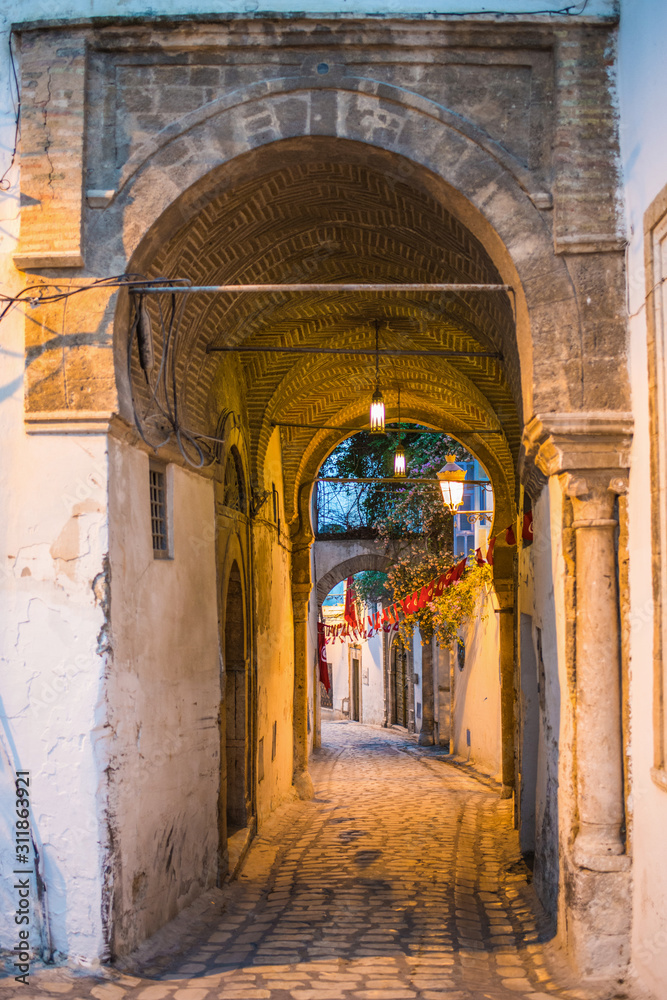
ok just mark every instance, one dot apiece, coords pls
pixel 365 561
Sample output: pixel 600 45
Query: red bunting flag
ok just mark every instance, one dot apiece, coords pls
pixel 459 570
pixel 527 533
pixel 510 537
pixel 479 558
pixel 489 551
pixel 322 656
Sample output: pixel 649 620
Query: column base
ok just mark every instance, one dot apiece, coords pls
pixel 598 920
pixel 600 848
pixel 303 785
pixel 426 739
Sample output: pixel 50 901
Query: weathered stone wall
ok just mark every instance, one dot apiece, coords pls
pixel 162 699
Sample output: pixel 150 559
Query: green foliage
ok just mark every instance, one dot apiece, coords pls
pixel 412 525
pixel 366 455
pixel 370 586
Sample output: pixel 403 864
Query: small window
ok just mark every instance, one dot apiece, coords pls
pixel 158 496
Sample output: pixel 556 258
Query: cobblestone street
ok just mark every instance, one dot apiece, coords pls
pixel 400 880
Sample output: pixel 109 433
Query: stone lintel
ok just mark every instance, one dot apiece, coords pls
pixel 45 258
pixel 581 442
pixel 68 422
pixel 596 243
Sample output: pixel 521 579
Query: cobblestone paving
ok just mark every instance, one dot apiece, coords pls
pixel 401 880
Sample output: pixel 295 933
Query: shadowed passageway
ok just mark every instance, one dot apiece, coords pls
pixel 401 879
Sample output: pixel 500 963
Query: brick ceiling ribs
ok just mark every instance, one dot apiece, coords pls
pixel 324 221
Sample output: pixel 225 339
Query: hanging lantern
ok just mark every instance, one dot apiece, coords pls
pixel 399 454
pixel 377 412
pixel 377 402
pixel 451 478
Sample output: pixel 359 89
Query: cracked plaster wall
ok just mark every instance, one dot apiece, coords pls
pixel 163 700
pixel 53 652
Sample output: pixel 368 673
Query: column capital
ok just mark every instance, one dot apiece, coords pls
pixel 593 493
pixel 579 443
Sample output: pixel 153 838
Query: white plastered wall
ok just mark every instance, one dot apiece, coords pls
pixel 53 545
pixel 642 87
pixel 163 699
pixel 477 690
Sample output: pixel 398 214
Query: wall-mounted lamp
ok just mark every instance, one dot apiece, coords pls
pixel 451 478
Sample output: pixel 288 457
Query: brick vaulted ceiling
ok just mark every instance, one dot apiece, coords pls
pixel 323 221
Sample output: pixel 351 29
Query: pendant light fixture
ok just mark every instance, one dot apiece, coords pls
pixel 377 402
pixel 451 478
pixel 399 454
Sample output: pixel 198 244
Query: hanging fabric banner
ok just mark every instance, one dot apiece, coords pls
pixel 322 656
pixel 350 606
pixel 389 617
pixel 527 533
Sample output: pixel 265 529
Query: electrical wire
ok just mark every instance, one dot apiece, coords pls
pixel 34 295
pixel 5 183
pixel 164 393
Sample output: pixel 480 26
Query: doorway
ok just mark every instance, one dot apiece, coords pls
pixel 399 684
pixel 236 706
pixel 355 685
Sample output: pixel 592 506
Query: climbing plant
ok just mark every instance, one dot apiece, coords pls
pixel 412 527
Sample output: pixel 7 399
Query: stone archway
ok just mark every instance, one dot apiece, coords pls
pixel 344 564
pixel 447 199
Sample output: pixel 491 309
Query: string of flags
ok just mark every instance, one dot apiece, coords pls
pixel 387 620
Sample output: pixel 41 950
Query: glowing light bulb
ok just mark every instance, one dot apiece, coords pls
pixel 399 463
pixel 377 413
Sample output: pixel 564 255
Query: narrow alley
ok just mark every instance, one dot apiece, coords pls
pixel 401 879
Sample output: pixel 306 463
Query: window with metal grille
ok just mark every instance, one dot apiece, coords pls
pixel 158 495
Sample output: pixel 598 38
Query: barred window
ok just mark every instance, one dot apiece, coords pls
pixel 158 497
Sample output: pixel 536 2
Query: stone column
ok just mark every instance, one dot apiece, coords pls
pixel 589 453
pixel 301 778
pixel 600 796
pixel 426 736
